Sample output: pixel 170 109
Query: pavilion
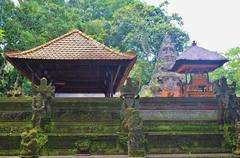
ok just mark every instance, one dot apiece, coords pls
pixel 197 62
pixel 75 63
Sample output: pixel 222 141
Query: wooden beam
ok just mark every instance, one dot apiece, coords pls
pixel 115 77
pixel 35 74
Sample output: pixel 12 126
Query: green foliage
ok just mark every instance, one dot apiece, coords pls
pixel 29 143
pixel 142 71
pixel 172 127
pixel 1 35
pixel 229 136
pixel 42 140
pixel 123 141
pixel 83 146
pixel 122 25
pixel 231 69
pixel 136 153
pixel 32 143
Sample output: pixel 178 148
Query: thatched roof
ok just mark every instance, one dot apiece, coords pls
pixel 198 53
pixel 198 59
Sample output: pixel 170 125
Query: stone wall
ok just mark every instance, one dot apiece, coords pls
pixel 179 109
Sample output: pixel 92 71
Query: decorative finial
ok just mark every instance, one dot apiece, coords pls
pixel 194 43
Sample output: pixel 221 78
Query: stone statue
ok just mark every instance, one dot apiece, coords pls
pixel 129 93
pixel 38 107
pixel 29 144
pixel 133 124
pixel 136 138
pixel 131 120
pixel 227 99
pixel 41 102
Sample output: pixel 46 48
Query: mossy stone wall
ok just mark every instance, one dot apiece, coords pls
pixel 98 119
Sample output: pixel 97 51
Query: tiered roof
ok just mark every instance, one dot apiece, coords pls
pixel 198 59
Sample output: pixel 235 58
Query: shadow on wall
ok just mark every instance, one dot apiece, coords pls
pixel 83 95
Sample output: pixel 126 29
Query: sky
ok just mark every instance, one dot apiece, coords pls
pixel 214 24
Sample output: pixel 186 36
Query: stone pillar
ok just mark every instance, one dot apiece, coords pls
pixel 131 120
pixel 227 101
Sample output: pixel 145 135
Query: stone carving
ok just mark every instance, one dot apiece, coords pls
pixel 14 92
pixel 227 99
pixel 41 102
pixel 38 108
pixel 164 83
pixel 29 144
pixel 237 136
pixel 129 93
pixel 136 139
pixel 133 124
pixel 131 120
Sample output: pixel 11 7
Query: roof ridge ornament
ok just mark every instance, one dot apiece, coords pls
pixel 194 43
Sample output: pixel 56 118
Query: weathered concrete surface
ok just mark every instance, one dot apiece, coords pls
pixel 179 109
pixel 180 115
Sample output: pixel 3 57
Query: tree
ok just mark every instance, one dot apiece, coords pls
pixel 30 24
pixel 1 35
pixel 231 70
pixel 141 28
pixel 121 24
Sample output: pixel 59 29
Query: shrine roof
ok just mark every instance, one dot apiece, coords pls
pixel 197 59
pixel 198 53
pixel 74 45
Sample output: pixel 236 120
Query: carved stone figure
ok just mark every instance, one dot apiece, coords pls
pixel 237 129
pixel 227 99
pixel 41 102
pixel 29 144
pixel 131 120
pixel 129 93
pixel 38 107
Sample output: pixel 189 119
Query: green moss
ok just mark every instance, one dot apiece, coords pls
pixel 10 142
pixel 123 142
pixel 9 152
pixel 229 136
pixel 15 99
pixel 136 153
pixel 83 146
pixel 76 127
pixel 187 150
pixel 14 127
pixel 153 126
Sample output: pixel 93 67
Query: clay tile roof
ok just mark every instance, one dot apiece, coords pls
pixel 74 45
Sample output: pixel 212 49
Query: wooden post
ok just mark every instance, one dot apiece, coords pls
pixel 186 78
pixel 207 78
pixel 111 84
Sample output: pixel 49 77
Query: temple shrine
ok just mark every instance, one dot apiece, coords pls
pixel 196 62
pixel 75 63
